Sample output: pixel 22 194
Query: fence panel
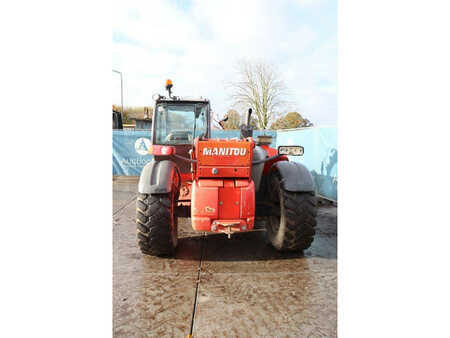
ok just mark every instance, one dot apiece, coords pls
pixel 130 152
pixel 320 155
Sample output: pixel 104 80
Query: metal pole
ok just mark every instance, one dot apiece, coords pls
pixel 121 92
pixel 121 89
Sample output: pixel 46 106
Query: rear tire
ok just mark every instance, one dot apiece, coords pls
pixel 292 227
pixel 156 224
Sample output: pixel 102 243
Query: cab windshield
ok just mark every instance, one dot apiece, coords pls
pixel 175 123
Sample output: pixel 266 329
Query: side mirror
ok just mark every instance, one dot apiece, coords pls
pixel 221 122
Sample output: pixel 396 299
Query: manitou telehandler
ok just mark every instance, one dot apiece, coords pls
pixel 223 185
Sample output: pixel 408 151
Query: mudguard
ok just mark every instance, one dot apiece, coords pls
pixel 295 176
pixel 157 177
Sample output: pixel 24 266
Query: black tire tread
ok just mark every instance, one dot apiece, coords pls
pixel 153 224
pixel 300 211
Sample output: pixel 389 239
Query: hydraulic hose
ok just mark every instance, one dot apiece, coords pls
pixel 184 158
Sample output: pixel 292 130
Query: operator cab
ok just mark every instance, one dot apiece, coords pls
pixel 179 122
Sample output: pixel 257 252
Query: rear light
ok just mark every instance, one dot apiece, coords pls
pixel 161 150
pixel 291 150
pixel 165 150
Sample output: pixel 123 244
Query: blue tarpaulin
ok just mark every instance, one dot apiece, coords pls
pixel 130 152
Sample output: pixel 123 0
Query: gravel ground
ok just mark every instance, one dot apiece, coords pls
pixel 240 286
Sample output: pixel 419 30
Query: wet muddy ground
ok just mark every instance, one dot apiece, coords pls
pixel 221 287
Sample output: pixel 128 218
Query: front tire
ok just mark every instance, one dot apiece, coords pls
pixel 292 226
pixel 156 224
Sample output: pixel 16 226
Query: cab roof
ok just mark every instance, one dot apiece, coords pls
pixel 176 99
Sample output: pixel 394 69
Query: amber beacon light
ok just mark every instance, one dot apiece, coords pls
pixel 169 86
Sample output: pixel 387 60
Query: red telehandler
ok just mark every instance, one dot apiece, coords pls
pixel 223 185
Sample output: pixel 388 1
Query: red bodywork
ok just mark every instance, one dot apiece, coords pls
pixel 270 153
pixel 223 193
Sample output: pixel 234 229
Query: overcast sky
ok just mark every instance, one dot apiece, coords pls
pixel 197 43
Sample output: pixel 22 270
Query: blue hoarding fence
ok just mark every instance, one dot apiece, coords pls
pixel 130 148
pixel 130 152
pixel 320 155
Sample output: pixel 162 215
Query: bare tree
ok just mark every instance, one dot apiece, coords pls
pixel 258 87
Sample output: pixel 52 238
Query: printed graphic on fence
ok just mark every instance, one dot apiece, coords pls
pixel 130 152
pixel 320 155
pixel 142 145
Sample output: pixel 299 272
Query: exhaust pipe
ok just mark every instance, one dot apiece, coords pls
pixel 247 129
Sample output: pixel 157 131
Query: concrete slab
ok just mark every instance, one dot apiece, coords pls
pixel 250 253
pixel 295 304
pixel 124 190
pixel 249 289
pixel 246 288
pixel 151 296
pixel 153 305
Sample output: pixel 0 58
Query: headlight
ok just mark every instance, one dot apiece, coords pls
pixel 291 150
